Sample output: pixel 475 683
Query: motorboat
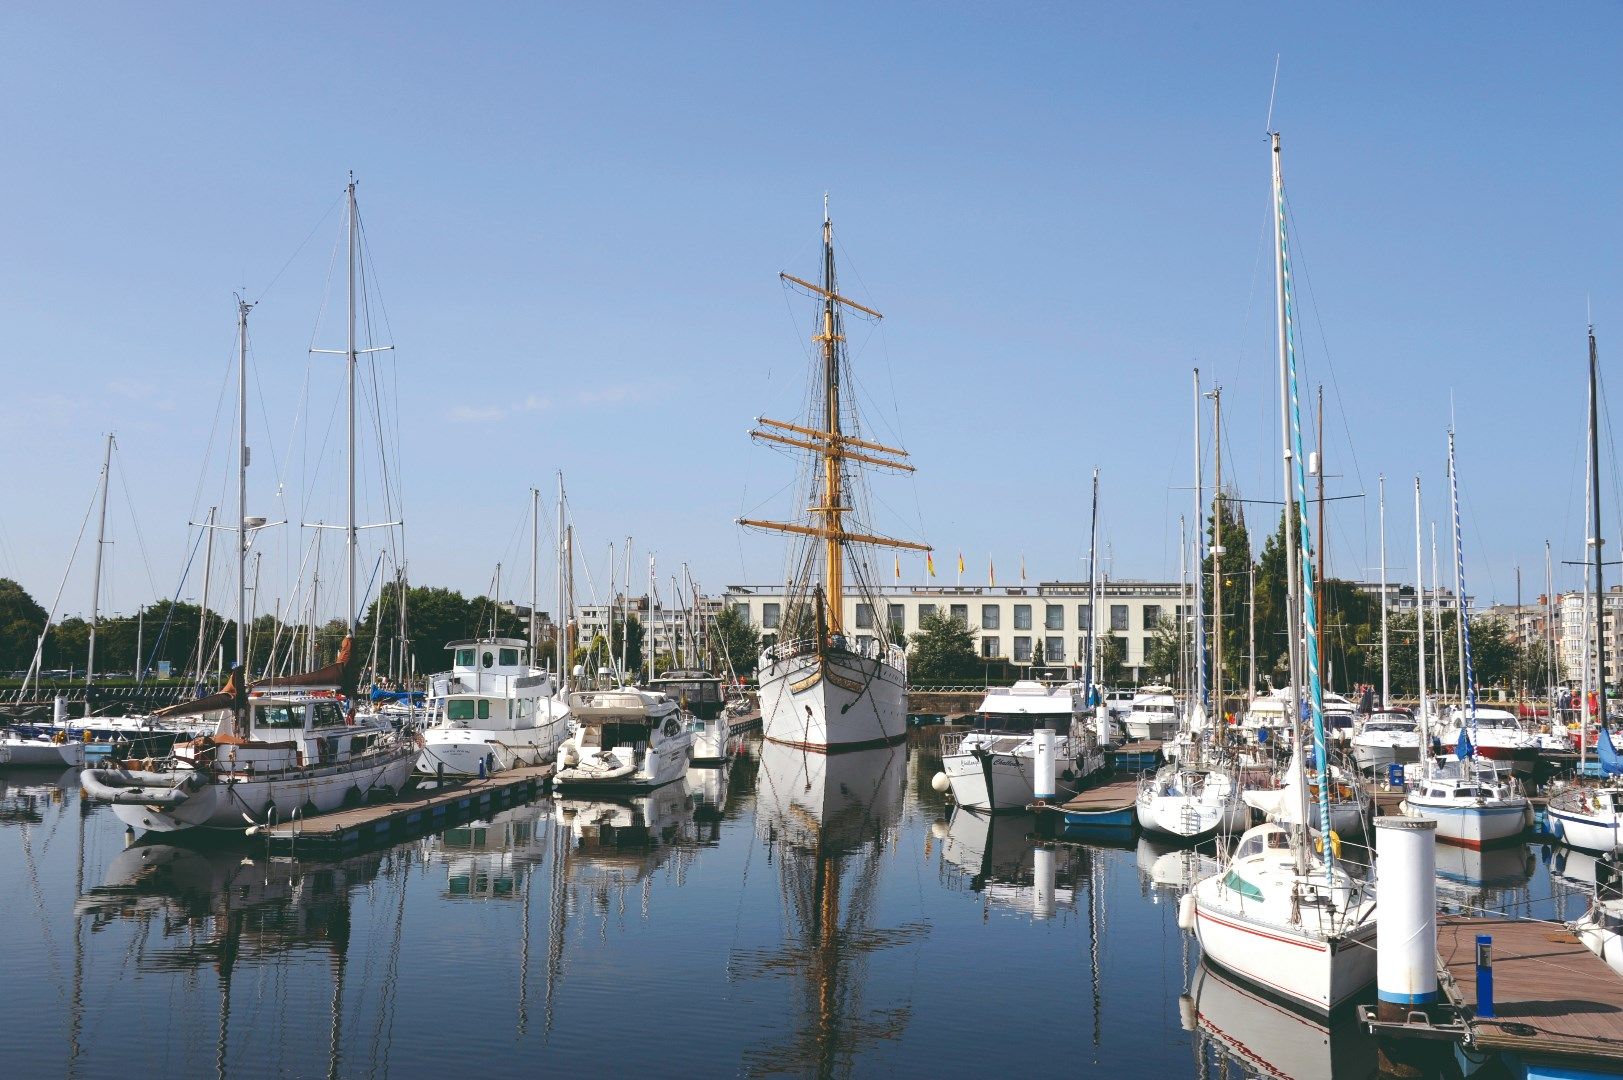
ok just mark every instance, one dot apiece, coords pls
pixel 626 740
pixel 702 697
pixel 1385 737
pixel 1496 734
pixel 1475 803
pixel 1153 714
pixel 994 766
pixel 492 711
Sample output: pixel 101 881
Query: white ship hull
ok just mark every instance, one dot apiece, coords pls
pixel 461 751
pixel 1597 831
pixel 1313 972
pixel 1375 756
pixel 1473 826
pixel 233 801
pixel 624 771
pixel 41 753
pixel 832 703
pixel 1140 727
pixel 1006 779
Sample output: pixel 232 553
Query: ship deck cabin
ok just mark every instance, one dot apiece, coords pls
pixel 493 713
pixel 699 692
pixel 490 656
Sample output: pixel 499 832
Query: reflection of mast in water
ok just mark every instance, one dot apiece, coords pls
pixel 828 818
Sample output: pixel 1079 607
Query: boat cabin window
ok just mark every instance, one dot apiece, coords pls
pixel 1021 722
pixel 608 736
pixel 279 716
pixel 464 658
pixel 1252 846
pixel 489 658
pixel 328 714
pixel 1468 793
pixel 509 658
pixel 459 709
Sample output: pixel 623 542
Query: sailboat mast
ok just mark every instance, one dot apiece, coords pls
pixel 1597 542
pixel 203 608
pixel 243 455
pixel 1093 587
pixel 560 621
pixel 350 364
pixel 1293 566
pixel 1197 634
pixel 1217 555
pixel 535 566
pixel 1420 635
pixel 833 541
pixel 1386 676
pixel 1467 676
pixel 95 585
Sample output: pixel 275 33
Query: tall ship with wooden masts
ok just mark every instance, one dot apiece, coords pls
pixel 822 688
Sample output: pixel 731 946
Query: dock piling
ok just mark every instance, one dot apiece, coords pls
pixel 1043 782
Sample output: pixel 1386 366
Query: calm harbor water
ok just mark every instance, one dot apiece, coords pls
pixel 792 915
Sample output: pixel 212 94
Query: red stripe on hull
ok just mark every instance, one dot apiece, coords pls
pixel 840 748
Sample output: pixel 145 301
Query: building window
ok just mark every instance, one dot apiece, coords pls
pixel 1145 655
pixel 895 615
pixel 864 616
pixel 1022 650
pixel 991 648
pixel 925 611
pixel 1022 617
pixel 1054 618
pixel 991 617
pixel 1152 616
pixel 1084 617
pixel 960 613
pixel 767 641
pixel 769 616
pixel 743 608
pixel 1118 616
pixel 1054 650
pixel 1081 650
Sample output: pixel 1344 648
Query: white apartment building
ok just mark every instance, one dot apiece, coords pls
pixel 1010 622
pixel 666 629
pixel 1574 640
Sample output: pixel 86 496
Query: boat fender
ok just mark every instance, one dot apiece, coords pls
pixel 1558 828
pixel 568 753
pixel 1186 912
pixel 1527 815
pixel 940 784
pixel 1335 844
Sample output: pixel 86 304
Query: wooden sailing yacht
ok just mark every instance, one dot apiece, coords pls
pixel 821 687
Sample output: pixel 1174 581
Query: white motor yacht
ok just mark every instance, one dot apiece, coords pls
pixel 994 766
pixel 1474 803
pixel 1497 735
pixel 1386 737
pixel 40 751
pixel 1153 714
pixel 493 710
pixel 626 740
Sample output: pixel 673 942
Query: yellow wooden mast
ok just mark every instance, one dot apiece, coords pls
pixel 832 446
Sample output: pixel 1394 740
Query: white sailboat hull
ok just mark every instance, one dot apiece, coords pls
pixel 1598 831
pixel 1313 972
pixel 41 753
pixel 1472 826
pixel 833 703
pixel 236 800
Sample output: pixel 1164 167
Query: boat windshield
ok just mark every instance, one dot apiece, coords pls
pixel 1021 722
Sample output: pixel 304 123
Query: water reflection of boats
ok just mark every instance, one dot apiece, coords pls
pixel 1599 879
pixel 1171 867
pixel 615 845
pixel 24 793
pixel 828 819
pixel 492 860
pixel 707 788
pixel 994 855
pixel 1479 877
pixel 1266 1038
pixel 221 907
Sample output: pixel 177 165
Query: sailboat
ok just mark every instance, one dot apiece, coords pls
pixel 284 747
pixel 822 687
pixel 1472 801
pixel 1284 913
pixel 1590 816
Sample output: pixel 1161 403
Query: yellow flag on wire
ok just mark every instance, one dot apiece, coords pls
pixel 960 562
pixel 1022 568
pixel 929 564
pixel 898 568
pixel 991 572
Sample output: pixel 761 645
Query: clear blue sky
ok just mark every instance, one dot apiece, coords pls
pixel 577 217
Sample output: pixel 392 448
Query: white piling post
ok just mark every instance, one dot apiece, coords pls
pixel 1406 921
pixel 1042 787
pixel 59 712
pixel 1103 731
pixel 1042 893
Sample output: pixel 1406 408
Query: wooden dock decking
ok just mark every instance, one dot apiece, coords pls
pixel 1116 795
pixel 386 822
pixel 1553 998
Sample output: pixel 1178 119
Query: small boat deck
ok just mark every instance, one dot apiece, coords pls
pixel 408 815
pixel 1553 998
